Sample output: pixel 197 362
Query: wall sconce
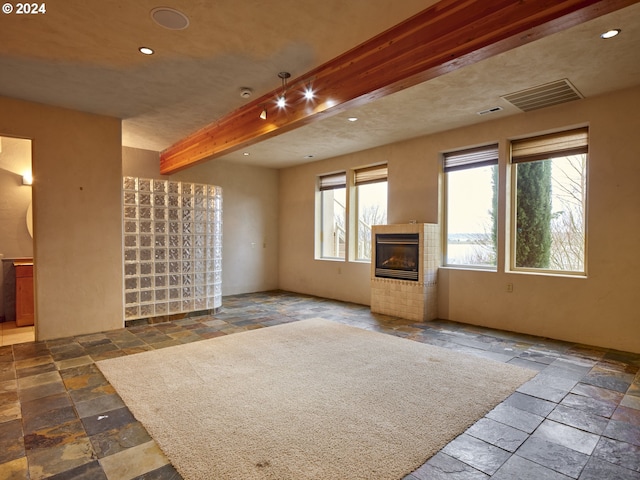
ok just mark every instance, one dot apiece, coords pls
pixel 263 114
pixel 27 179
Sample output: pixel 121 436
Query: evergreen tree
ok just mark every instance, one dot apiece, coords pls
pixel 533 237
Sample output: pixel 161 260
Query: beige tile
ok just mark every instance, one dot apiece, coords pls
pixel 134 461
pixel 17 469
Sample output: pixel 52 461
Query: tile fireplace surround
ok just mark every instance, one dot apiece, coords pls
pixel 413 300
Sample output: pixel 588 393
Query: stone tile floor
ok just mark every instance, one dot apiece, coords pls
pixel 579 418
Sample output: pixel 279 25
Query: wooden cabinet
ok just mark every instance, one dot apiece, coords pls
pixel 24 294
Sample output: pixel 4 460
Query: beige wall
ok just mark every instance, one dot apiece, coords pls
pixel 77 216
pixel 250 216
pixel 597 310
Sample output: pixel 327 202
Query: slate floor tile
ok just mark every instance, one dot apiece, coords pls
pixel 567 436
pixel 133 462
pixel 166 472
pixel 579 419
pixel 556 457
pixel 118 439
pixel 498 434
pixel 548 387
pixel 444 467
pixel 619 453
pixel 626 414
pixel 88 471
pixel 516 418
pixel 598 469
pixel 11 446
pixel 623 431
pixel 530 404
pixel 477 453
pixel 103 422
pixel 522 469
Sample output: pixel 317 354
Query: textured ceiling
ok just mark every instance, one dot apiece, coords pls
pixel 83 55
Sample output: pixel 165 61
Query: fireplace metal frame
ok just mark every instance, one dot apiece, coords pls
pixel 407 239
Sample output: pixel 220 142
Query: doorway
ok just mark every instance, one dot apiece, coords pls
pixel 16 241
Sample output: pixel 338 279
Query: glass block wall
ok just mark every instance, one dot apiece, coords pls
pixel 172 247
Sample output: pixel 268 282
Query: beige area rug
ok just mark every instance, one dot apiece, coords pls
pixel 312 399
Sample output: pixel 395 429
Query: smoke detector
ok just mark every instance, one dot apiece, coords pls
pixel 245 92
pixel 170 18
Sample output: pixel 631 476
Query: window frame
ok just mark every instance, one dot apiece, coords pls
pixel 537 151
pixel 465 159
pixel 326 182
pixel 369 175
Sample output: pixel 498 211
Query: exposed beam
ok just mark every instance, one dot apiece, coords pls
pixel 446 36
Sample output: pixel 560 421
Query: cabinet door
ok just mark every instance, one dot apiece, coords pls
pixel 24 296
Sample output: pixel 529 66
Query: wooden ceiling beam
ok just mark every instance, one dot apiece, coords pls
pixel 446 36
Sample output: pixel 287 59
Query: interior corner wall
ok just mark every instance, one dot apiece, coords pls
pixel 249 216
pixel 76 216
pixel 597 310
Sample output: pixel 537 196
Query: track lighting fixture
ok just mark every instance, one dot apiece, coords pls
pixel 263 113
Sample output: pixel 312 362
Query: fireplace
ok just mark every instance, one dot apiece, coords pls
pixel 404 270
pixel 397 256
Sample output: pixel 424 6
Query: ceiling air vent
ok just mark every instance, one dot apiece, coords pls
pixel 543 96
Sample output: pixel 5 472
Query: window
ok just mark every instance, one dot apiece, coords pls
pixel 549 177
pixel 333 215
pixel 371 201
pixel 471 178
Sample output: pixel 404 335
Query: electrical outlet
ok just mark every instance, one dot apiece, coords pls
pixel 509 288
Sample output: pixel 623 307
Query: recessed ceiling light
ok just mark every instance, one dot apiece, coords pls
pixel 308 156
pixel 146 50
pixel 170 18
pixel 246 154
pixel 353 119
pixel 610 33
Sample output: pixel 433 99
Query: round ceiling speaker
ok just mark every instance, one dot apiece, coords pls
pixel 170 18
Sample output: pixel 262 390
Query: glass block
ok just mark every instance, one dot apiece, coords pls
pixel 159 200
pixel 131 283
pixel 187 254
pixel 160 227
pixel 175 241
pixel 211 290
pixel 187 278
pixel 146 254
pixel 130 269
pixel 200 291
pixel 162 309
pixel 187 201
pixel 145 213
pixel 199 278
pixel 187 188
pixel 146 240
pixel 130 240
pixel 130 183
pixel 187 215
pixel 211 303
pixel 130 212
pixel 200 190
pixel 130 198
pixel 175 215
pixel 160 254
pixel 130 255
pixel 160 241
pixel 146 282
pixel 200 203
pixel 187 292
pixel 159 213
pixel 211 190
pixel 174 254
pixel 175 307
pixel 146 296
pixel 173 201
pixel 132 312
pixel 146 268
pixel 174 293
pixel 175 280
pixel 160 267
pixel 199 303
pixel 146 227
pixel 160 186
pixel 187 240
pixel 200 227
pixel 187 305
pixel 130 226
pixel 217 289
pixel 144 185
pixel 199 253
pixel 174 187
pixel 130 297
pixel 175 267
pixel 144 199
pixel 147 310
pixel 174 228
pixel 161 281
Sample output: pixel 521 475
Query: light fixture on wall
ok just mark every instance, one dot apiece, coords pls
pixel 27 179
pixel 263 113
